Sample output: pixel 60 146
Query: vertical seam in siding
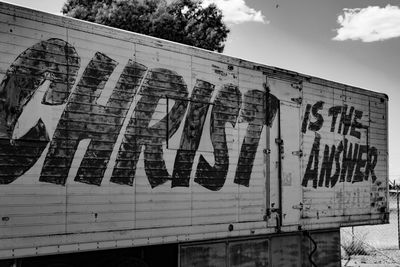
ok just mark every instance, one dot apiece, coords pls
pixel 191 187
pixel 66 184
pixel 237 186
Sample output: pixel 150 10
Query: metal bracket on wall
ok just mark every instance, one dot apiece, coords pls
pixel 298 85
pixel 269 212
pixel 301 206
pixel 279 142
pixel 297 100
pixel 298 153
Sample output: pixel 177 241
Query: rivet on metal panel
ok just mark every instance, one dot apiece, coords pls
pixel 278 141
pixel 298 153
pixel 298 207
pixel 297 100
pixel 298 86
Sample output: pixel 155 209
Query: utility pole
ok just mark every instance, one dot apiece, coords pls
pixel 398 212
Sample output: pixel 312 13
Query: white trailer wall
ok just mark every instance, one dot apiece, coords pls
pixel 91 160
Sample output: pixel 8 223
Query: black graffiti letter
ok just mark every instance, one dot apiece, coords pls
pixel 84 118
pixel 306 118
pixel 335 177
pixel 358 175
pixel 257 112
pixel 349 161
pixel 356 124
pixel 312 174
pixel 54 60
pixel 316 126
pixel 199 103
pixel 160 83
pixel 345 120
pixel 226 109
pixel 326 167
pixel 334 111
pixel 371 164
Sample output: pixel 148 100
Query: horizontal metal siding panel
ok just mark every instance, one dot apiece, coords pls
pixel 27 207
pixel 32 230
pixel 345 198
pixel 52 219
pixel 145 200
pixel 114 48
pixel 160 58
pixel 100 211
pixel 26 211
pixel 27 28
pixel 252 200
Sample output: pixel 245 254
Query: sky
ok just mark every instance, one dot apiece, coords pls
pixel 355 42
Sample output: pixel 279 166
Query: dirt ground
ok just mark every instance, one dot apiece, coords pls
pixel 389 257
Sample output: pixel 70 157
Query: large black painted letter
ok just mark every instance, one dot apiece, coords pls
pixel 199 103
pixel 54 60
pixel 226 109
pixel 159 83
pixel 258 110
pixel 84 118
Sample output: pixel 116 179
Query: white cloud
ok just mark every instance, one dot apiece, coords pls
pixel 369 24
pixel 236 11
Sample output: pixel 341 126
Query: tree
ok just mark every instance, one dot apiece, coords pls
pixel 183 21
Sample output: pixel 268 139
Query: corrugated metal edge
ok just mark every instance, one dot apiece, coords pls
pixel 59 244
